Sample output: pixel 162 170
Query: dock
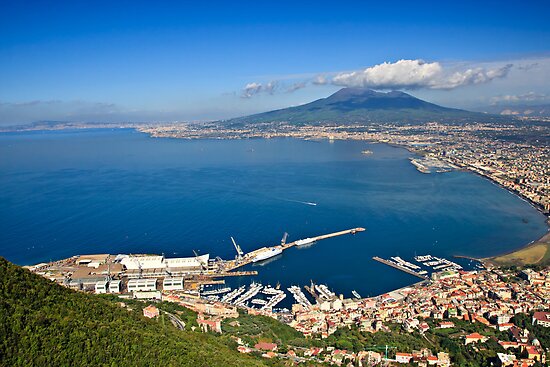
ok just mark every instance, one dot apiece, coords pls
pixel 397 266
pixel 248 258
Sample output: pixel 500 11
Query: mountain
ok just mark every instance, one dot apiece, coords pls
pixel 350 105
pixel 520 110
pixel 45 324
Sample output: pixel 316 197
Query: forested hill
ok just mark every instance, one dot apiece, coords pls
pixel 44 324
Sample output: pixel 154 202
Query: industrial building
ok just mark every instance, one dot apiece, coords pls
pixel 101 287
pixel 173 284
pixel 140 285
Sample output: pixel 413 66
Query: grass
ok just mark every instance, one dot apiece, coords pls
pixel 536 253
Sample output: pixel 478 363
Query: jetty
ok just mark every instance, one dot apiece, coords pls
pixel 243 259
pixel 400 267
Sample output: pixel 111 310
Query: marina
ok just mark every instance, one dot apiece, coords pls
pixel 428 264
pixel 299 296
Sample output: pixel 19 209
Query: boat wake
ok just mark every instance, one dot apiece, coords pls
pixel 301 202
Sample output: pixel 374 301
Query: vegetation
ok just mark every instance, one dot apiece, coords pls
pixel 535 254
pixel 44 324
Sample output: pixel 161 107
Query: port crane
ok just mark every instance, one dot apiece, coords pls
pixel 240 252
pixel 283 240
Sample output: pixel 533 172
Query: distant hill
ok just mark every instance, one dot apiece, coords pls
pixel 350 105
pixel 520 110
pixel 45 324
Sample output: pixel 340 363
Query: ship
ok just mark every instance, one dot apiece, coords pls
pixel 355 294
pixel 305 241
pixel 266 253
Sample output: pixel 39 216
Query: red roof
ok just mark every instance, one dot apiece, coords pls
pixel 474 336
pixel 266 346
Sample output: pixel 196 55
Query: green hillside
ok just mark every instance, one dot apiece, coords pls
pixel 44 324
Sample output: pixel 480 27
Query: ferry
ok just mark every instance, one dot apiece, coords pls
pixel 266 253
pixel 305 241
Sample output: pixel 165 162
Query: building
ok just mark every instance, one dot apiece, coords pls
pixel 142 285
pixel 474 338
pixel 172 284
pixel 403 357
pixel 210 324
pixel 266 346
pixel 114 286
pixel 542 319
pixel 157 265
pixel 101 287
pixel 151 311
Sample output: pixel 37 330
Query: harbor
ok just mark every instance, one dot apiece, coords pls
pixel 146 276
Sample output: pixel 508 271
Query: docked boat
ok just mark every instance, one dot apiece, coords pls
pixel 355 294
pixel 216 291
pixel 305 241
pixel 258 301
pixel 266 253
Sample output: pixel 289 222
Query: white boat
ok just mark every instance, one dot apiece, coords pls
pixel 258 301
pixel 305 241
pixel 266 253
pixel 216 291
pixel 355 294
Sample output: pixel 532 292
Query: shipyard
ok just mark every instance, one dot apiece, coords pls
pixel 156 277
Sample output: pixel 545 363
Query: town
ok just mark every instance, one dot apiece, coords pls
pixel 515 155
pixel 478 309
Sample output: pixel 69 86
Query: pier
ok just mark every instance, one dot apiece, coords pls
pixel 248 258
pixel 397 266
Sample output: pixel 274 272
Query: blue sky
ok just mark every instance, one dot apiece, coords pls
pixel 120 61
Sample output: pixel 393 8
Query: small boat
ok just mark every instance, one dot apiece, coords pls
pixel 258 301
pixel 355 294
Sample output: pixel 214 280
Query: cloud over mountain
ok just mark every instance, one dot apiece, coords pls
pixel 417 74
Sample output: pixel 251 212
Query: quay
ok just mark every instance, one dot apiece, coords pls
pixel 243 259
pixel 397 266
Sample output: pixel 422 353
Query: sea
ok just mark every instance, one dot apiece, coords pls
pixel 117 191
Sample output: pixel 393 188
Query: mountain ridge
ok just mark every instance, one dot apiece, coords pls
pixel 360 105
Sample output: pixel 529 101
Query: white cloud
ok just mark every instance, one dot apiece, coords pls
pixel 320 80
pixel 294 87
pixel 252 89
pixel 417 74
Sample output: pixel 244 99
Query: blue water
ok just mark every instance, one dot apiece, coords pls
pixel 120 191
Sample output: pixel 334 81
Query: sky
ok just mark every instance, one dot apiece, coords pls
pixel 117 61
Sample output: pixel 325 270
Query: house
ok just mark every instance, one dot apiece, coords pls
pixel 150 311
pixel 541 318
pixel 423 327
pixel 474 338
pixel 243 349
pixel 505 360
pixel 446 325
pixel 211 324
pixel 403 357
